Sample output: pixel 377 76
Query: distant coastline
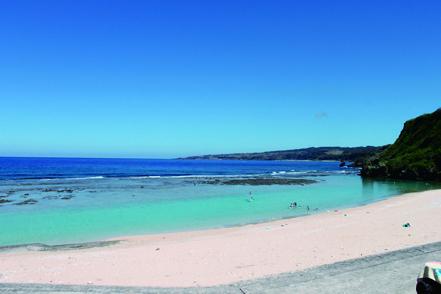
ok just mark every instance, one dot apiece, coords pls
pixel 357 155
pixel 415 155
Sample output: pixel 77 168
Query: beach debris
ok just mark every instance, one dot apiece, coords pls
pixel 345 214
pixel 406 225
pixel 157 249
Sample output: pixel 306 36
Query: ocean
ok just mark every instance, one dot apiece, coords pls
pixel 72 200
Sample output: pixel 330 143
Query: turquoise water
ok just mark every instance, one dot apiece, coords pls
pixel 109 207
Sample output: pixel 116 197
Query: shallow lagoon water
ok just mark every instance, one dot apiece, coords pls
pixel 91 207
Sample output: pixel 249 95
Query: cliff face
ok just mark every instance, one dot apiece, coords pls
pixel 416 154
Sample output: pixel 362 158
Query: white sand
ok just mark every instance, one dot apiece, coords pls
pixel 211 257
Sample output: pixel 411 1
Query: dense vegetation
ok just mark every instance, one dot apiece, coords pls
pixel 416 154
pixel 354 154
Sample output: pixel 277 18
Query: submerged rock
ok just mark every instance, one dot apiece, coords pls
pixel 50 197
pixel 67 197
pixel 4 200
pixel 58 190
pixel 259 181
pixel 27 202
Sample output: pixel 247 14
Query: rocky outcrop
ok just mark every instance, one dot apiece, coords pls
pixel 415 155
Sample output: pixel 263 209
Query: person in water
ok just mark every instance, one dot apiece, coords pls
pixel 293 205
pixel 251 198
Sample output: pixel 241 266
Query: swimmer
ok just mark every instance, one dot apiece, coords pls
pixel 293 205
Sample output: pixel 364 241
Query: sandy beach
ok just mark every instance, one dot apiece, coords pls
pixel 220 256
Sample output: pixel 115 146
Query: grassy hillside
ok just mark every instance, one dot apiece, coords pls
pixel 416 154
pixel 356 154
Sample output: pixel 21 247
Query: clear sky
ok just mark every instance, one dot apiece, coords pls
pixel 173 78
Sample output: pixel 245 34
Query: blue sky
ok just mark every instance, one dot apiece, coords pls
pixel 174 78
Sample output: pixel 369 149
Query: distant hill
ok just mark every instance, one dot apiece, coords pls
pixel 354 154
pixel 416 154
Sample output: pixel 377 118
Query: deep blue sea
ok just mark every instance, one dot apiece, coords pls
pixel 55 168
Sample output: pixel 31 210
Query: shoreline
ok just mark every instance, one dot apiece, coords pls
pixel 227 255
pixel 110 240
